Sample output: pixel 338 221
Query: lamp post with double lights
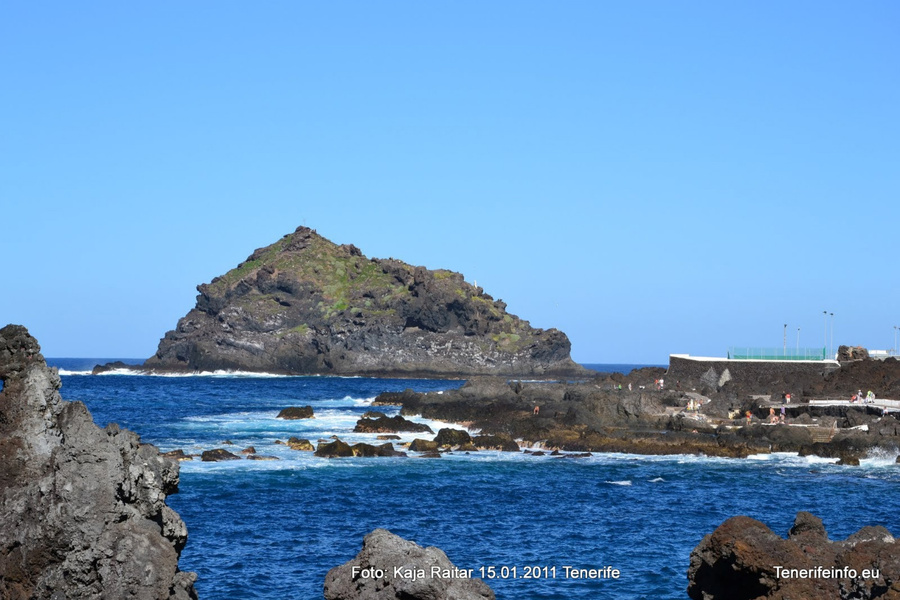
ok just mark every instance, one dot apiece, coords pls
pixel 831 345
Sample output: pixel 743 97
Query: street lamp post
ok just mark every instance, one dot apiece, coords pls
pixel 831 345
pixel 825 321
pixel 798 341
pixel 784 348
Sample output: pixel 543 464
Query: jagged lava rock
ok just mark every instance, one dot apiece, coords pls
pixel 296 412
pixel 385 424
pixel 295 443
pixel 743 560
pixel 218 454
pixel 335 449
pixel 452 437
pixel 400 569
pixel 420 445
pixel 83 512
pixel 306 305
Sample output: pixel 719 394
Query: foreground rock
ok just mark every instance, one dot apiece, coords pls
pixel 400 569
pixel 305 305
pixel 83 512
pixel 743 559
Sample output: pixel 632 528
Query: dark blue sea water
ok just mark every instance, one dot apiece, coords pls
pixel 273 529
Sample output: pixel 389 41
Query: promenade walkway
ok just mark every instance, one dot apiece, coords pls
pixel 885 404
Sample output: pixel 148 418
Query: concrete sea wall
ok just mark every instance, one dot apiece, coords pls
pixel 766 376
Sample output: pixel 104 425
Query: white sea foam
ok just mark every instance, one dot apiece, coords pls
pixel 814 460
pixel 765 457
pixel 347 401
pixel 657 480
pixel 619 457
pixel 879 457
pixel 622 482
pixel 326 422
pixel 220 374
pixel 68 372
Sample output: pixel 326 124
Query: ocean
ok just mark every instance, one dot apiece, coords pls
pixel 273 529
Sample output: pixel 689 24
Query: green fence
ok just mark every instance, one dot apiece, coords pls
pixel 745 353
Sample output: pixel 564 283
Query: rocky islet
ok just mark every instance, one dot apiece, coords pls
pixel 305 305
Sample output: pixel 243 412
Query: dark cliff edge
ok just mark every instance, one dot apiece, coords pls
pixel 83 512
pixel 743 560
pixel 305 305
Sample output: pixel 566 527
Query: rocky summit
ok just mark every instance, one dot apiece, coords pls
pixel 82 509
pixel 305 305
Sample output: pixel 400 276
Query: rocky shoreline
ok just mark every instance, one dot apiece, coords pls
pixel 634 413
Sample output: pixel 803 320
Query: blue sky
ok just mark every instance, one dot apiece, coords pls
pixel 649 177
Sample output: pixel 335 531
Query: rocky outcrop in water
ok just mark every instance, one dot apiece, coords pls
pixel 83 512
pixel 296 412
pixel 341 449
pixel 391 568
pixel 744 560
pixel 305 305
pixel 385 424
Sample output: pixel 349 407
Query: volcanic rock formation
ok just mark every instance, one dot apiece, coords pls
pixel 306 305
pixel 391 568
pixel 82 509
pixel 743 560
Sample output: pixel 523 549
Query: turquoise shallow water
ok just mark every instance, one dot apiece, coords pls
pixel 273 529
